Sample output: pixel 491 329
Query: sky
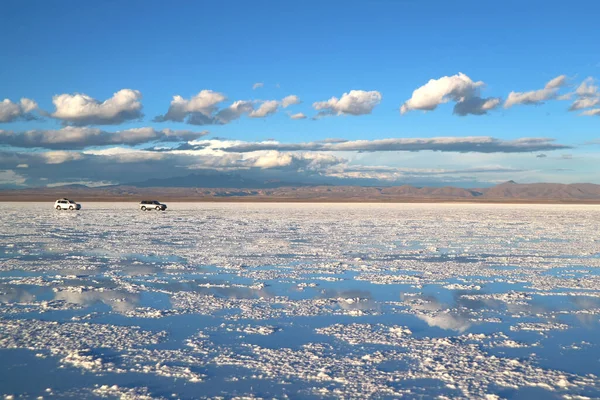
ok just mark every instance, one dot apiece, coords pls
pixel 380 92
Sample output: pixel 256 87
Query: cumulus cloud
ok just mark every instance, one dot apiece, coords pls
pixel 298 116
pixel 297 161
pixel 124 155
pixel 268 107
pixel 587 96
pixel 549 91
pixel 557 82
pixel 199 109
pixel 106 165
pixel 585 102
pixel 59 157
pixel 272 159
pixel 356 102
pixel 457 88
pixel 290 101
pixel 258 85
pixel 476 144
pixel 592 112
pixel 81 109
pixel 476 105
pixel 203 109
pixel 234 111
pixel 320 161
pixel 72 137
pixel 587 88
pixel 10 111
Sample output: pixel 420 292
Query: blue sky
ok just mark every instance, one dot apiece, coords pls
pixel 383 50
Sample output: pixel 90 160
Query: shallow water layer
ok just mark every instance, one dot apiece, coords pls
pixel 300 300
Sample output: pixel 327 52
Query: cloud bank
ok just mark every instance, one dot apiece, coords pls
pixel 72 137
pixel 476 144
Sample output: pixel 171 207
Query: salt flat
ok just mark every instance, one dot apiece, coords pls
pixel 301 300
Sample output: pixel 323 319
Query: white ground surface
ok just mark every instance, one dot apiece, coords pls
pixel 310 300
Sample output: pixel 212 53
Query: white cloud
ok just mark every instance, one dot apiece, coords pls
pixel 272 159
pixel 455 88
pixel 126 155
pixel 592 112
pixel 476 105
pixel 10 111
pixel 387 173
pixel 59 157
pixel 584 102
pixel 93 184
pixel 587 96
pixel 81 109
pixel 290 101
pixel 298 116
pixel 72 137
pixel 258 85
pixel 549 91
pixel 587 88
pixel 476 144
pixel 298 161
pixel 199 108
pixel 320 161
pixel 203 109
pixel 268 107
pixel 10 177
pixel 356 102
pixel 234 111
pixel 557 82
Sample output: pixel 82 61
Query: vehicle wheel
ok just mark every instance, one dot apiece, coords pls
pixel 58 208
pixel 71 208
pixel 143 208
pixel 157 208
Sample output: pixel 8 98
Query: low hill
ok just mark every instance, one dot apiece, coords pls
pixel 505 192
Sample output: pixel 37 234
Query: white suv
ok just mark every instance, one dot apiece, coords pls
pixel 66 204
pixel 152 205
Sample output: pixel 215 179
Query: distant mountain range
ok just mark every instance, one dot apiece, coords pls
pixel 231 189
pixel 212 179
